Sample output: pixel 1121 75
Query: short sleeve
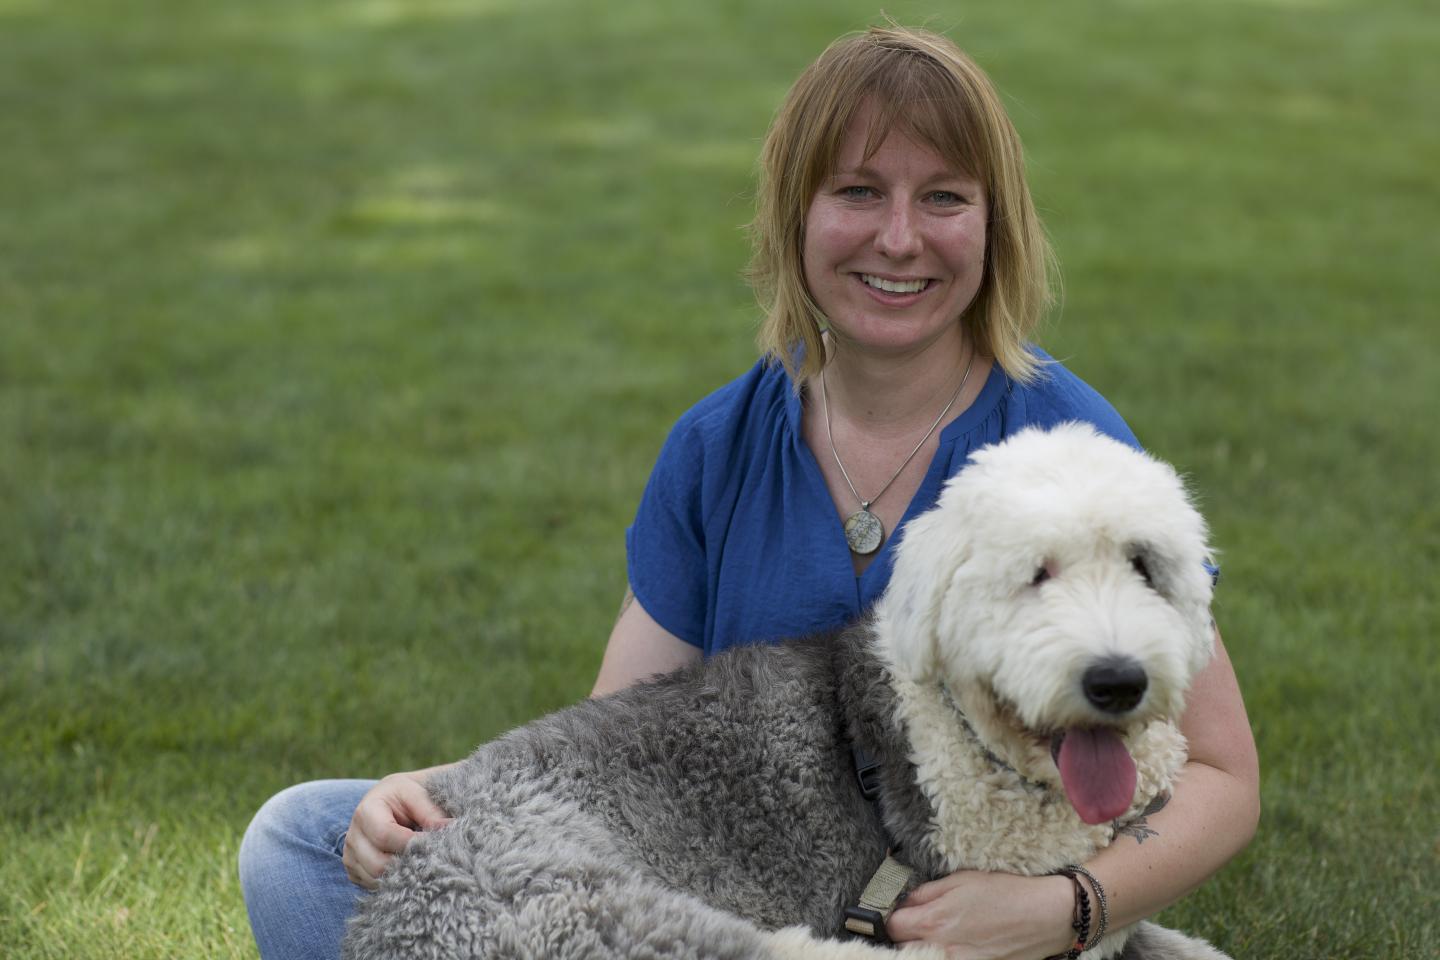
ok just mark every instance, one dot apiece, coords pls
pixel 665 546
pixel 1059 396
pixel 1212 570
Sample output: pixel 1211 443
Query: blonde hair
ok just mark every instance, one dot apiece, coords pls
pixel 923 84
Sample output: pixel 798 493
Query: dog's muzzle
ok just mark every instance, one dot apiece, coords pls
pixel 1115 685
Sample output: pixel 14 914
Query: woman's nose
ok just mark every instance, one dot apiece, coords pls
pixel 898 236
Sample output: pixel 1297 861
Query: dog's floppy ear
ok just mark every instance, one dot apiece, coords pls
pixel 931 548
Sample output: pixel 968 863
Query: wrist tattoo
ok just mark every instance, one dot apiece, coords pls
pixel 1140 828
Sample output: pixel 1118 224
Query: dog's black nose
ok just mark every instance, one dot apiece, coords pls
pixel 1115 685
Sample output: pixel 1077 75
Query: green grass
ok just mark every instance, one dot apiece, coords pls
pixel 337 339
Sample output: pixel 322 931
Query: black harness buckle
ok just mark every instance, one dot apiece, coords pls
pixel 864 922
pixel 867 771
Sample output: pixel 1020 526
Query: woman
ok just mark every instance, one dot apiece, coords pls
pixel 902 268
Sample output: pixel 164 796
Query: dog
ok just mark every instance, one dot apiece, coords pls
pixel 1014 693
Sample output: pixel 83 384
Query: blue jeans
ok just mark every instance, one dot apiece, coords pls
pixel 296 890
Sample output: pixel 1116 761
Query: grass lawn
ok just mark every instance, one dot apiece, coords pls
pixel 337 340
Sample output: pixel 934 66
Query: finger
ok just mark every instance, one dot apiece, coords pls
pixel 360 878
pixel 374 824
pixel 388 837
pixel 927 911
pixel 363 864
pixel 370 859
pixel 383 824
pixel 412 804
pixel 908 923
pixel 934 890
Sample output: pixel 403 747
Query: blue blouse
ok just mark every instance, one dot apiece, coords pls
pixel 736 539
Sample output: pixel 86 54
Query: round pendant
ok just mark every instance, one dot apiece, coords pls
pixel 863 531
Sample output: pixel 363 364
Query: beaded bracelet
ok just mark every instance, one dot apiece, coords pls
pixel 1080 921
pixel 1100 902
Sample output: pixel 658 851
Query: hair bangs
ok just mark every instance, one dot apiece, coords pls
pixel 922 100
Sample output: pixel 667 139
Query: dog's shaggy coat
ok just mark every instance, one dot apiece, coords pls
pixel 1019 684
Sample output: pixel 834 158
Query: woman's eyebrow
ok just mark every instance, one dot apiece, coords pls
pixel 860 171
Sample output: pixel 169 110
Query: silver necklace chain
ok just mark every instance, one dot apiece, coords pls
pixel 863 529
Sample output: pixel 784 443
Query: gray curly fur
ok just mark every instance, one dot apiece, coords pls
pixel 681 818
pixel 678 818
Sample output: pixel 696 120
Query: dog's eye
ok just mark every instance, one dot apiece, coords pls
pixel 1138 562
pixel 1041 575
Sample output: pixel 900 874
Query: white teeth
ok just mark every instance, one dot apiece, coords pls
pixel 894 286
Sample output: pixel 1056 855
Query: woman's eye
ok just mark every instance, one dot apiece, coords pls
pixel 856 193
pixel 947 198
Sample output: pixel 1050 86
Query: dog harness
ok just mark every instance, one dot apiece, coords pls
pixel 888 884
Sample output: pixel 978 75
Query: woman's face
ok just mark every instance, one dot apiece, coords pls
pixel 894 245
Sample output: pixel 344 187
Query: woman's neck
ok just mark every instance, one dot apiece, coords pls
pixel 886 393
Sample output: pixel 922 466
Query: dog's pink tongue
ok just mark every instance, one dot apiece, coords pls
pixel 1097 771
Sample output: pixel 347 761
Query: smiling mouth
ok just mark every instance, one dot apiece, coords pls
pixel 893 286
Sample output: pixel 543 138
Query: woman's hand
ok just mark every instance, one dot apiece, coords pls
pixel 386 820
pixel 987 916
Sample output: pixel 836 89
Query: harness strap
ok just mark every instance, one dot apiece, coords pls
pixel 883 891
pixel 878 901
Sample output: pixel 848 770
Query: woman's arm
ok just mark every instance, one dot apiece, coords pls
pixel 639 648
pixel 1152 863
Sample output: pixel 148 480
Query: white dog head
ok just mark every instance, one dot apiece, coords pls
pixel 1058 592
